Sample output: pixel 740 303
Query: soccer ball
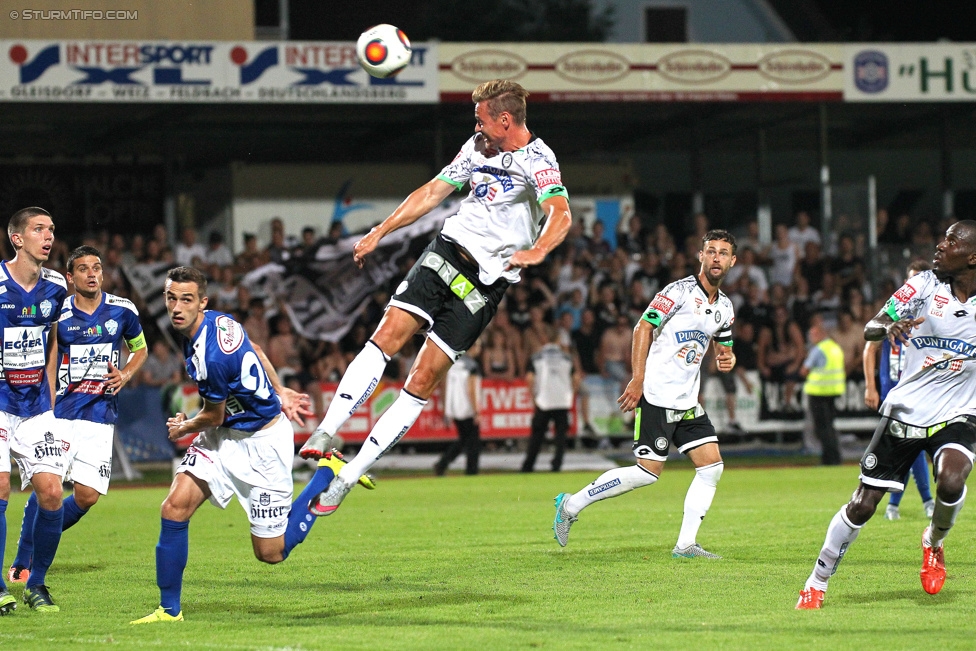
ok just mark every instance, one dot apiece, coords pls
pixel 383 51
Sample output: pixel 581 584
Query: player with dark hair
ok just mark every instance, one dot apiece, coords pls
pixel 91 329
pixel 932 408
pixel 670 341
pixel 245 448
pixel 888 375
pixel 515 214
pixel 30 303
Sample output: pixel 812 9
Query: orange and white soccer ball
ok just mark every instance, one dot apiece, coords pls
pixel 383 50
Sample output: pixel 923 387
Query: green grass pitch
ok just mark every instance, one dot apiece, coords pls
pixel 470 563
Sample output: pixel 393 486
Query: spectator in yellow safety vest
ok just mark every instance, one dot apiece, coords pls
pixel 823 370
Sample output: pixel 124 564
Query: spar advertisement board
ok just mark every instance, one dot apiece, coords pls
pixel 202 71
pixel 933 72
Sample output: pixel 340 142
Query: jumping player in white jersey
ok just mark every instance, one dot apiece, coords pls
pixel 931 409
pixel 30 303
pixel 670 341
pixel 245 448
pixel 91 329
pixel 515 214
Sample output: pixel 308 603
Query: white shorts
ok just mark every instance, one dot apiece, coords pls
pixel 88 452
pixel 33 443
pixel 255 466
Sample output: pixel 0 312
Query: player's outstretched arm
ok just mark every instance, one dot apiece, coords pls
pixel 643 336
pixel 294 405
pixel 420 202
pixel 897 332
pixel 724 358
pixel 869 360
pixel 212 415
pixel 558 221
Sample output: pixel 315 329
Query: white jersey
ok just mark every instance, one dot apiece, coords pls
pixel 457 401
pixel 684 323
pixel 938 380
pixel 553 369
pixel 502 214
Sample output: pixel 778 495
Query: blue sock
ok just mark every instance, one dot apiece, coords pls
pixel 171 555
pixel 920 470
pixel 72 513
pixel 3 540
pixel 25 547
pixel 300 521
pixel 47 535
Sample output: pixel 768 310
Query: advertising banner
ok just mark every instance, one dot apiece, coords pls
pixel 597 72
pixel 214 71
pixel 506 412
pixel 931 72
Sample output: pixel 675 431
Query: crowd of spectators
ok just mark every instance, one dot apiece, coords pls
pixel 592 291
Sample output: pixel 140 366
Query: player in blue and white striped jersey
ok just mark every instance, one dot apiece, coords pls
pixel 91 331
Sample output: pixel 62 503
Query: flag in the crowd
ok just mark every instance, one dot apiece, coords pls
pixel 148 281
pixel 324 292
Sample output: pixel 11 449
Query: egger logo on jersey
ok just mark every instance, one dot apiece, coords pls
pixel 230 335
pixel 548 177
pixel 662 303
pixel 905 293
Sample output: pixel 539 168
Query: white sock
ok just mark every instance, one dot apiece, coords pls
pixel 697 501
pixel 840 534
pixel 943 517
pixel 389 429
pixel 356 386
pixel 610 484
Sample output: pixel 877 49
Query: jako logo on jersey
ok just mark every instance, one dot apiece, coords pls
pixel 503 177
pixel 544 178
pixel 251 71
pixel 32 70
pixel 692 335
pixel 955 345
pixel 8 306
pixel 603 487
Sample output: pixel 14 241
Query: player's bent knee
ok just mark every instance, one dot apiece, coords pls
pixel 711 474
pixel 269 550
pixel 862 506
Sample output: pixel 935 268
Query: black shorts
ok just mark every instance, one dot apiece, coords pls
pixel 655 428
pixel 443 289
pixel 894 447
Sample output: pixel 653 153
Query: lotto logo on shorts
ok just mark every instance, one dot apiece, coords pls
pixel 662 303
pixel 544 178
pixel 905 293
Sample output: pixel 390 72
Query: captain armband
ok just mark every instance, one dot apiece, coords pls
pixel 891 311
pixel 653 317
pixel 136 343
